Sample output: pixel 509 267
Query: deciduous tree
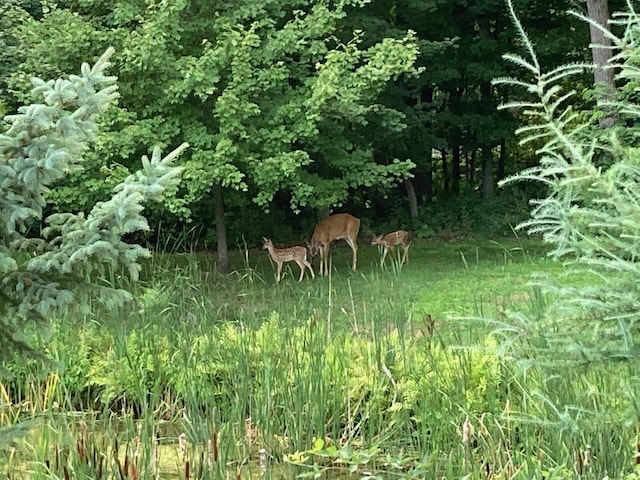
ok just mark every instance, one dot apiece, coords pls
pixel 270 98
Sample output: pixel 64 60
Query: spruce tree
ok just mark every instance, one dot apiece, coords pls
pixel 49 264
pixel 591 214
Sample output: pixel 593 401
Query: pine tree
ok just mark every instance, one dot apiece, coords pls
pixel 591 214
pixel 56 268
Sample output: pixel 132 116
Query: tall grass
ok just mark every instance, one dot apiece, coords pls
pixel 359 374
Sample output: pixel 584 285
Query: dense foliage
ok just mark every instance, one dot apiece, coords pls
pixel 298 105
pixel 267 96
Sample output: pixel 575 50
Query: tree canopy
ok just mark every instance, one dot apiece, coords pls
pixel 296 106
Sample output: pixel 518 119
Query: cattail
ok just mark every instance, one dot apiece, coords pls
pixel 578 461
pixel 56 458
pixel 81 443
pixel 430 325
pixel 214 445
pixel 126 461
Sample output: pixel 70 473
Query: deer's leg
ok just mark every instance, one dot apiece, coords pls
pixel 354 249
pixel 384 255
pixel 279 270
pixel 354 263
pixel 406 254
pixel 308 265
pixel 325 260
pixel 301 265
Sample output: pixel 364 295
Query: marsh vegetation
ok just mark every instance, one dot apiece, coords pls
pixel 385 372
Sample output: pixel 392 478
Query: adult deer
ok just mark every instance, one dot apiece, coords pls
pixel 291 254
pixel 389 241
pixel 341 226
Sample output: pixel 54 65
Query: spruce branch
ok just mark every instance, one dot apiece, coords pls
pixel 67 262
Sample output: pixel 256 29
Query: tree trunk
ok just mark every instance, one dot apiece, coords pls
pixel 487 172
pixel 502 159
pixel 455 170
pixel 445 172
pixel 222 265
pixel 598 11
pixel 413 199
pixel 428 180
pixel 322 212
pixel 487 148
pixel 471 167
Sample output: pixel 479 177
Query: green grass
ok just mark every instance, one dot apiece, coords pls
pixel 441 278
pixel 369 371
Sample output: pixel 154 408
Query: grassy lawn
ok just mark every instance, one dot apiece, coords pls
pixel 443 280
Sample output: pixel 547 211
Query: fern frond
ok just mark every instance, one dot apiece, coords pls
pixel 564 71
pixel 510 81
pixel 523 37
pixel 520 61
pixel 605 31
pixel 519 105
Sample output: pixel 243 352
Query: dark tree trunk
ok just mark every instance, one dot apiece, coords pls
pixel 428 180
pixel 322 212
pixel 485 91
pixel 455 170
pixel 471 167
pixel 487 172
pixel 413 199
pixel 598 11
pixel 502 159
pixel 445 172
pixel 222 265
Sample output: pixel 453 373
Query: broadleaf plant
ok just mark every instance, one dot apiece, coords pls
pixel 49 263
